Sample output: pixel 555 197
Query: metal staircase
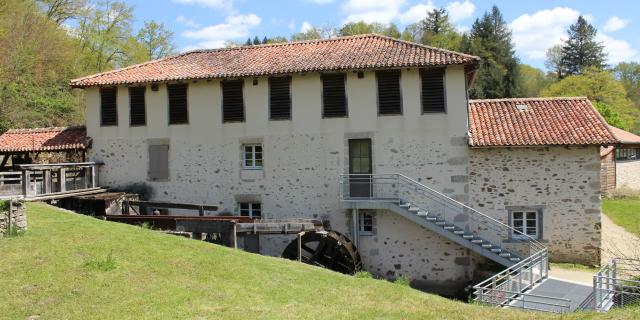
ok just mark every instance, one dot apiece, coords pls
pixel 526 259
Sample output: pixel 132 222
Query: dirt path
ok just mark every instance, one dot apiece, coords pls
pixel 617 242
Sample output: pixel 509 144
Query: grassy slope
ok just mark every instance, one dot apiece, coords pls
pixel 44 272
pixel 624 212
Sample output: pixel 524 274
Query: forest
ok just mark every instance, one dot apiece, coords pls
pixel 45 43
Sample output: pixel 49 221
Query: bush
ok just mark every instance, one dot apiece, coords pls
pixel 4 205
pixel 625 192
pixel 403 281
pixel 97 264
pixel 363 275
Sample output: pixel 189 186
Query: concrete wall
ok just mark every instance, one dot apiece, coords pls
pixel 565 182
pixel 628 174
pixel 302 158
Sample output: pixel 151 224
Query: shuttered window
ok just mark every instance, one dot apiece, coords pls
pixel 433 99
pixel 108 107
pixel 178 110
pixel 280 98
pixel 137 113
pixel 334 99
pixel 232 101
pixel 389 99
pixel 159 162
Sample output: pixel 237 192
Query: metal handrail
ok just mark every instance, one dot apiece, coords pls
pixel 611 282
pixel 484 218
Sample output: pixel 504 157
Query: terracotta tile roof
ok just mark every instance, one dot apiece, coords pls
pixel 546 121
pixel 370 51
pixel 624 137
pixel 44 139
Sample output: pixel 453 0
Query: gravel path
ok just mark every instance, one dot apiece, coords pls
pixel 617 242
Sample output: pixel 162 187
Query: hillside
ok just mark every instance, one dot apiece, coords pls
pixel 61 269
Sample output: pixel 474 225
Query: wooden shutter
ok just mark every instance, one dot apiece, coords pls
pixel 334 99
pixel 280 98
pixel 137 113
pixel 108 106
pixel 389 98
pixel 159 162
pixel 232 101
pixel 433 99
pixel 178 113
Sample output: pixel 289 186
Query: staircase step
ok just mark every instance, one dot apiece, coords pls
pixel 405 205
pixel 422 213
pixel 496 250
pixel 449 227
pixel 468 236
pixel 476 240
pixel 505 254
pixel 487 245
pixel 515 259
pixel 441 223
pixel 431 218
pixel 414 209
pixel 459 232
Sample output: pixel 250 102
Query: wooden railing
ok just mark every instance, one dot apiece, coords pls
pixel 48 181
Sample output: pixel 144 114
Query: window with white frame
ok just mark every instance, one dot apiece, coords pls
pixel 526 222
pixel 250 209
pixel 366 223
pixel 252 156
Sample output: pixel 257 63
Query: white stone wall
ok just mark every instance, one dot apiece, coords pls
pixel 564 181
pixel 302 158
pixel 628 174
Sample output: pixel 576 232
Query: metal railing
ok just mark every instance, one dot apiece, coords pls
pixel 506 288
pixel 617 284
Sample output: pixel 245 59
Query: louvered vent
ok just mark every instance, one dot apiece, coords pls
pixel 178 113
pixel 389 98
pixel 280 98
pixel 232 101
pixel 108 107
pixel 137 113
pixel 334 99
pixel 433 99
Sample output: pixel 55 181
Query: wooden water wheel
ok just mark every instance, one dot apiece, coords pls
pixel 330 250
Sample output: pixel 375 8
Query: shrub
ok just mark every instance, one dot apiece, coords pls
pixel 403 281
pixel 363 275
pixel 97 264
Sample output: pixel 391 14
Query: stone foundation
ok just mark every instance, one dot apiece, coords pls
pixel 14 216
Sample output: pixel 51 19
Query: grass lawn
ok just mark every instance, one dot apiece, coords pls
pixel 69 266
pixel 624 212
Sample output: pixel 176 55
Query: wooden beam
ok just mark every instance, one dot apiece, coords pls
pixel 58 195
pixel 169 205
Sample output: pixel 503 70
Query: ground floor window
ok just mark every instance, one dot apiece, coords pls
pixel 526 222
pixel 250 209
pixel 623 154
pixel 366 222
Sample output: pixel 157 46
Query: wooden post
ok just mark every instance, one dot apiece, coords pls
pixel 234 236
pixel 9 225
pixel 26 183
pixel 94 183
pixel 300 245
pixel 62 176
pixel 46 180
pixel 201 211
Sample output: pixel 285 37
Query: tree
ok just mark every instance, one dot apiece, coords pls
pixel 256 40
pixel 554 60
pixel 361 27
pixel 436 30
pixel 276 39
pixel 311 34
pixel 598 86
pixel 613 118
pixel 248 43
pixel 490 39
pixel 103 31
pixel 533 80
pixel 62 10
pixel 156 40
pixel 581 50
pixel 629 74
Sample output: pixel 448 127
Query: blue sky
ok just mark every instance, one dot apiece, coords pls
pixel 536 25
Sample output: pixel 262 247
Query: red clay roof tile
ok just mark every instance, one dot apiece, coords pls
pixel 546 121
pixel 370 51
pixel 44 139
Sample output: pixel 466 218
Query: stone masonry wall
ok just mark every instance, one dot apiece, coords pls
pixel 628 174
pixel 17 217
pixel 563 181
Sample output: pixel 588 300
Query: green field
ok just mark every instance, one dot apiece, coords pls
pixel 624 212
pixel 69 266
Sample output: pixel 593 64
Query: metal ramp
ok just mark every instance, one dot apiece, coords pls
pixel 554 295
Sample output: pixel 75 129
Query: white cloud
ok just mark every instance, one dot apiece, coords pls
pixel 214 4
pixel 615 23
pixel 306 26
pixel 416 13
pixel 372 11
pixel 460 10
pixel 214 36
pixel 187 22
pixel 534 34
pixel 617 50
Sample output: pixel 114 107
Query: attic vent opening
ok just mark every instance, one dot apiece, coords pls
pixel 522 106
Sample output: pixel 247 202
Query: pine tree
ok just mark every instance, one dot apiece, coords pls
pixel 490 39
pixel 265 40
pixel 437 31
pixel 581 50
pixel 256 40
pixel 248 43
